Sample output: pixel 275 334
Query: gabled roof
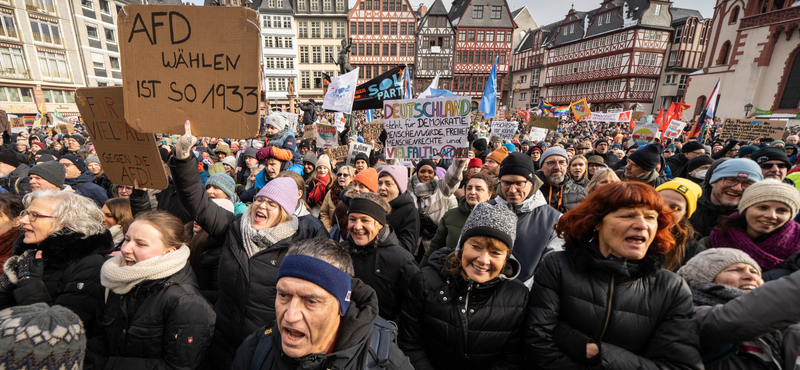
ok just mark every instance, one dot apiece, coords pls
pixel 437 8
pixel 526 43
pixel 680 14
pixel 515 13
pixel 457 9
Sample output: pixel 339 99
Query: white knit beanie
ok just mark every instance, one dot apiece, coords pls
pixel 771 190
pixel 705 266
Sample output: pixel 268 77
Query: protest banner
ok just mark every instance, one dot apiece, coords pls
pixel 609 117
pixel 124 153
pixel 505 129
pixel 371 94
pixel 674 129
pixel 580 108
pixel 550 123
pixel 337 154
pixel 427 128
pixel 644 133
pixel 177 68
pixel 751 129
pixel 354 149
pixel 339 121
pixel 537 134
pixel 310 131
pixel 372 130
pixel 339 96
pixel 327 136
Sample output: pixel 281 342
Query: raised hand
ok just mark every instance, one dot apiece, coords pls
pixel 184 145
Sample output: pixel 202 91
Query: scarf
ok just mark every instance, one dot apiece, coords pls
pixel 770 252
pixel 121 279
pixel 647 178
pixel 117 234
pixel 335 192
pixel 254 241
pixel 423 191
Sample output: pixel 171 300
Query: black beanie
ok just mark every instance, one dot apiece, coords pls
pixel 771 153
pixel 696 162
pixel 78 138
pixel 691 146
pixel 479 144
pixel 647 157
pixel 8 157
pixel 518 164
pixel 164 154
pixel 426 162
pixel 362 155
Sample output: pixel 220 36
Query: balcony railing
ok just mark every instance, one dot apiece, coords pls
pixel 12 72
pixel 9 32
pixel 40 6
pixel 773 17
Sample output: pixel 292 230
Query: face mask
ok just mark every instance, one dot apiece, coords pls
pixel 701 174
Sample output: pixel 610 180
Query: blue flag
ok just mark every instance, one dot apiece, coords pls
pixel 369 115
pixel 489 100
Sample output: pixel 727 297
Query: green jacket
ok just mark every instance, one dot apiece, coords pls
pixel 449 229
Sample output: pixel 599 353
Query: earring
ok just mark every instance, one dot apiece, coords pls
pixel 594 235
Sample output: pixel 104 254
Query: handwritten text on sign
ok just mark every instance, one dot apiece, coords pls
pixel 751 129
pixel 176 67
pixel 125 153
pixel 427 128
pixel 505 129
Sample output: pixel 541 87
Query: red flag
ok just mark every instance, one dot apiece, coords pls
pixel 672 113
pixel 660 120
pixel 528 114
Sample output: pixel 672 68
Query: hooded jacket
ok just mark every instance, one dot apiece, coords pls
pixel 17 182
pixel 563 197
pixel 246 284
pixel 639 314
pixel 449 230
pixel 84 185
pixel 350 348
pixel 159 324
pixel 404 220
pixel 676 164
pixel 386 267
pixel 452 323
pixel 536 235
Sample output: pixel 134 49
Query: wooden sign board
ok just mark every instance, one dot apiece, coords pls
pixel 337 154
pixel 196 63
pixel 550 123
pixel 372 130
pixel 125 154
pixel 751 129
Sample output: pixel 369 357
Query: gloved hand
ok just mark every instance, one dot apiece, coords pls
pixel 5 284
pixel 264 153
pixel 30 266
pixel 573 342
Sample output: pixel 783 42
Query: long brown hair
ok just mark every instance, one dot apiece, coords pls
pixel 196 243
pixel 120 209
pixel 676 255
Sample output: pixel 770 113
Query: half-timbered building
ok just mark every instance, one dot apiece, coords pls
pixel 612 55
pixel 484 30
pixel 383 36
pixel 527 71
pixel 525 22
pixel 754 51
pixel 685 53
pixel 435 47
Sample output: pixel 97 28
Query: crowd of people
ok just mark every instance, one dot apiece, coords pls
pixel 584 250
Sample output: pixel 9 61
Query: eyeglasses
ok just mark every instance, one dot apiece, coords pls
pixel 517 184
pixel 733 182
pixel 554 163
pixel 768 166
pixel 33 216
pixel 343 175
pixel 270 204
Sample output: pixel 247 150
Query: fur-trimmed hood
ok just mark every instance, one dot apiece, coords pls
pixel 60 251
pixel 587 257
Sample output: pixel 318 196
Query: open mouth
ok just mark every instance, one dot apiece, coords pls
pixel 732 195
pixel 636 240
pixel 747 287
pixel 293 335
pixel 768 224
pixel 129 261
pixel 260 217
pixel 480 270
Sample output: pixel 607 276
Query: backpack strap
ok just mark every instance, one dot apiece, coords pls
pixel 383 334
pixel 263 351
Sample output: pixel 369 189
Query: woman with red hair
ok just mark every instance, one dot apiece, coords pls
pixel 606 301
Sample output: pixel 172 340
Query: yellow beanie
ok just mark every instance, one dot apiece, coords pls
pixel 687 188
pixel 499 154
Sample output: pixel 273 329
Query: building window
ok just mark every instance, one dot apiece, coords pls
pixel 111 38
pixel 91 32
pixel 353 28
pixel 16 94
pixel 114 63
pixel 394 28
pixel 302 29
pixel 682 83
pixel 301 5
pixel 386 50
pixel 410 50
pixel 97 60
pixel 501 36
pixel 7 27
pixel 328 29
pixel 489 36
pixel 326 6
pixel 46 32
pixel 314 5
pixel 329 54
pixel 723 53
pixel 316 54
pixel 403 28
pixel 315 34
pixel 340 5
pixel 305 80
pixel 471 35
pixel 672 57
pixel 462 35
pixel 658 9
pixel 304 54
pixel 790 98
pixel 88 4
pixel 497 12
pixel 104 8
pixel 477 12
pixel 523 96
pixel 734 15
pixel 480 36
pixel 269 42
pixel 58 96
pixel 403 50
pixel 340 32
pixel 318 80
pixel 678 35
pixel 54 65
pixel 266 22
pixel 12 63
pixel 386 27
pixel 535 76
pixel 369 50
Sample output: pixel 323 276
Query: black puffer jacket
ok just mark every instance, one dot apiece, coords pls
pixel 159 324
pixel 17 181
pixel 386 267
pixel 707 215
pixel 676 165
pixel 451 323
pixel 562 197
pixel 404 220
pixel 640 315
pixel 246 284
pixel 71 276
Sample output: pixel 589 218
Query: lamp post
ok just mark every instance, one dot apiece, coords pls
pixel 747 108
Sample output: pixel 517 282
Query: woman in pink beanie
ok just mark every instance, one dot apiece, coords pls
pixel 404 219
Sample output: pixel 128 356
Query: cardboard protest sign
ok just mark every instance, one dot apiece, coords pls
pixel 644 133
pixel 327 136
pixel 550 123
pixel 751 129
pixel 124 153
pixel 580 108
pixel 505 129
pixel 610 117
pixel 637 115
pixel 355 148
pixel 537 134
pixel 65 128
pixel 674 129
pixel 16 122
pixel 372 130
pixel 427 128
pixel 337 154
pixel 176 66
pixel 4 126
pixel 310 131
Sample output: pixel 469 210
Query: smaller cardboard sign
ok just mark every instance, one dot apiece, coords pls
pixel 124 153
pixel 644 133
pixel 65 129
pixel 637 115
pixel 337 154
pixel 4 126
pixel 674 129
pixel 505 129
pixel 538 134
pixel 327 136
pixel 580 109
pixel 550 123
pixel 751 129
pixel 355 148
pixel 310 131
pixel 372 130
pixel 17 122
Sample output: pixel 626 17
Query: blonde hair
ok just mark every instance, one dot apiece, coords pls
pixel 601 174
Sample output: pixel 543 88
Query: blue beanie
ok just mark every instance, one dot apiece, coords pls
pixel 321 273
pixel 223 182
pixel 740 168
pixel 511 147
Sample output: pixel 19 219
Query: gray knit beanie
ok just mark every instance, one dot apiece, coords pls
pixel 705 266
pixel 770 190
pixel 52 172
pixel 41 337
pixel 495 221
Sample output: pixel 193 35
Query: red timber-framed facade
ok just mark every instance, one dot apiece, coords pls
pixel 685 55
pixel 484 30
pixel 754 51
pixel 612 55
pixel 383 34
pixel 527 71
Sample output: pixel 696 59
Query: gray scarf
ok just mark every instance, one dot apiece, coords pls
pixel 255 241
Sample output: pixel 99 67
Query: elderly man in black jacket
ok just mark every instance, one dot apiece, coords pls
pixel 326 319
pixel 558 189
